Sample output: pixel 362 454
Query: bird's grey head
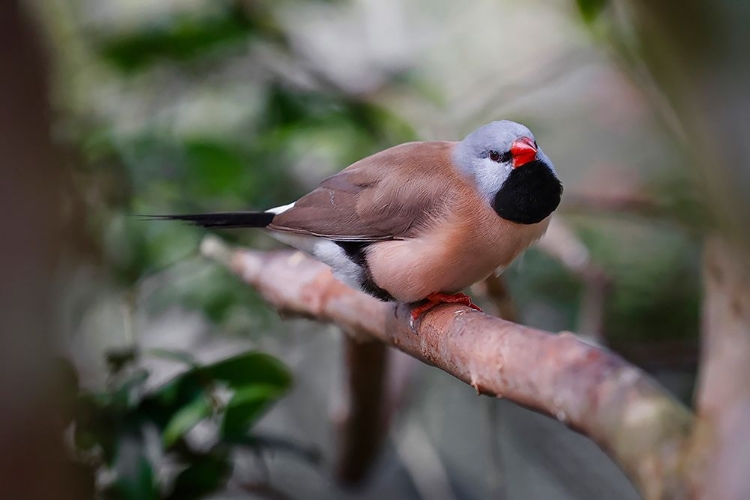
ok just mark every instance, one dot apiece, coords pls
pixel 510 171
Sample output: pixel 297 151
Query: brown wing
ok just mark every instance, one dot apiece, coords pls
pixel 388 195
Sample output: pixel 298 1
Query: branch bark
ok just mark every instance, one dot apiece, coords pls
pixel 720 447
pixel 591 390
pixel 364 425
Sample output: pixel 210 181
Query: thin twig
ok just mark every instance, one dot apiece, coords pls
pixel 563 244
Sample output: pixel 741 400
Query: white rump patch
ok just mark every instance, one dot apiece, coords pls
pixel 282 208
pixel 327 252
pixel 343 268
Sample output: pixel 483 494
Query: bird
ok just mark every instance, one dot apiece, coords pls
pixel 421 221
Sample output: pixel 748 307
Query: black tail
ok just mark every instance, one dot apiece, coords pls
pixel 225 220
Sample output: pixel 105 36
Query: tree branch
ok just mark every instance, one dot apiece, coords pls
pixel 363 426
pixel 591 390
pixel 723 395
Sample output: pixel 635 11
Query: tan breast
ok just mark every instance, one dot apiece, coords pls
pixel 464 246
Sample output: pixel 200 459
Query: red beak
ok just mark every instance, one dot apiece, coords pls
pixel 523 151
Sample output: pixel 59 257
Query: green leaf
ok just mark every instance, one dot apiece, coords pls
pixel 96 425
pixel 180 38
pixel 251 368
pixel 130 390
pixel 135 476
pixel 203 476
pixel 185 419
pixel 161 405
pixel 590 9
pixel 182 402
pixel 245 407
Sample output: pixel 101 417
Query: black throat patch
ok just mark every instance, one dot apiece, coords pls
pixel 529 194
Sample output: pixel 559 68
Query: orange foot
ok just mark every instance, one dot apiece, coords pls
pixel 435 299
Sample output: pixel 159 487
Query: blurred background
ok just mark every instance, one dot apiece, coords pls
pixel 180 382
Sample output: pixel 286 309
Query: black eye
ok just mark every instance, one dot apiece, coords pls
pixel 499 158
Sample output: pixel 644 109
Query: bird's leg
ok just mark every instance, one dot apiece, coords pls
pixel 435 299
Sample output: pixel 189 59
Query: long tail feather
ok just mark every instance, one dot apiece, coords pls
pixel 225 220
